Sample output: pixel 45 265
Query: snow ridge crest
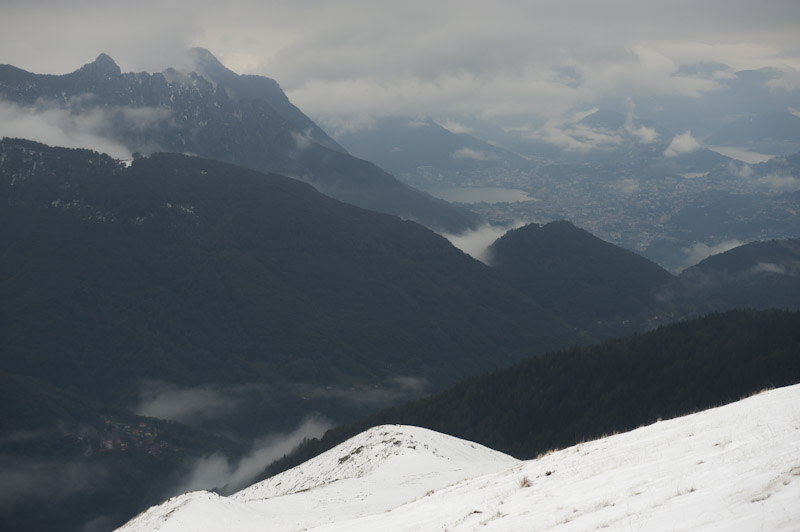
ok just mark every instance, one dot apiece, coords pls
pixel 399 448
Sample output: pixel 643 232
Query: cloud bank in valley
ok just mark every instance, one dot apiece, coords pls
pixel 476 243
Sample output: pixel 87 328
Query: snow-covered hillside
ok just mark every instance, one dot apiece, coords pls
pixel 736 467
pixel 374 472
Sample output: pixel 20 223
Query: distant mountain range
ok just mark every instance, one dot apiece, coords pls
pixel 771 133
pixel 427 155
pixel 423 153
pixel 215 113
pixel 746 93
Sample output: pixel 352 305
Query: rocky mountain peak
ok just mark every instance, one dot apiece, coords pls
pixel 103 65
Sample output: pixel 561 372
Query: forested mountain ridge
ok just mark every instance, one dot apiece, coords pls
pixel 580 277
pixel 160 269
pixel 246 120
pixel 758 275
pixel 611 291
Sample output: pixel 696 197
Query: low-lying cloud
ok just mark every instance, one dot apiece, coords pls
pixel 218 471
pixel 700 250
pixel 302 141
pixel 628 185
pixel 476 243
pixel 642 134
pixel 164 400
pixel 779 183
pixel 79 124
pixel 681 144
pixel 578 137
pixel 58 127
pixel 470 153
pixel 572 135
pixel 740 169
pixel 768 267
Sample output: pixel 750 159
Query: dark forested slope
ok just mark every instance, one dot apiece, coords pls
pixel 187 270
pixel 572 273
pixel 760 275
pixel 563 398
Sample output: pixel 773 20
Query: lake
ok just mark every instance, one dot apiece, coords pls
pixel 741 154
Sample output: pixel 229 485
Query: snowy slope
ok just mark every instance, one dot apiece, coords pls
pixel 731 468
pixel 380 469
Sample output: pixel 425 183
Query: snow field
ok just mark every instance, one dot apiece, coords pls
pixel 736 467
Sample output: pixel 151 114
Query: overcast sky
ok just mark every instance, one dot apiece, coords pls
pixel 345 59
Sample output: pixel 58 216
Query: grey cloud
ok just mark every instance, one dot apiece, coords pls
pixel 26 480
pixel 683 143
pixel 52 37
pixel 494 60
pixel 470 153
pixel 578 137
pixel 740 170
pixel 218 471
pixel 568 133
pixel 302 141
pixel 779 182
pixel 701 250
pixel 75 124
pixel 788 79
pixel 627 185
pixel 476 242
pixel 768 267
pixel 58 127
pixel 164 400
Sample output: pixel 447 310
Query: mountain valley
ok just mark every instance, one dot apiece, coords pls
pixel 218 290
